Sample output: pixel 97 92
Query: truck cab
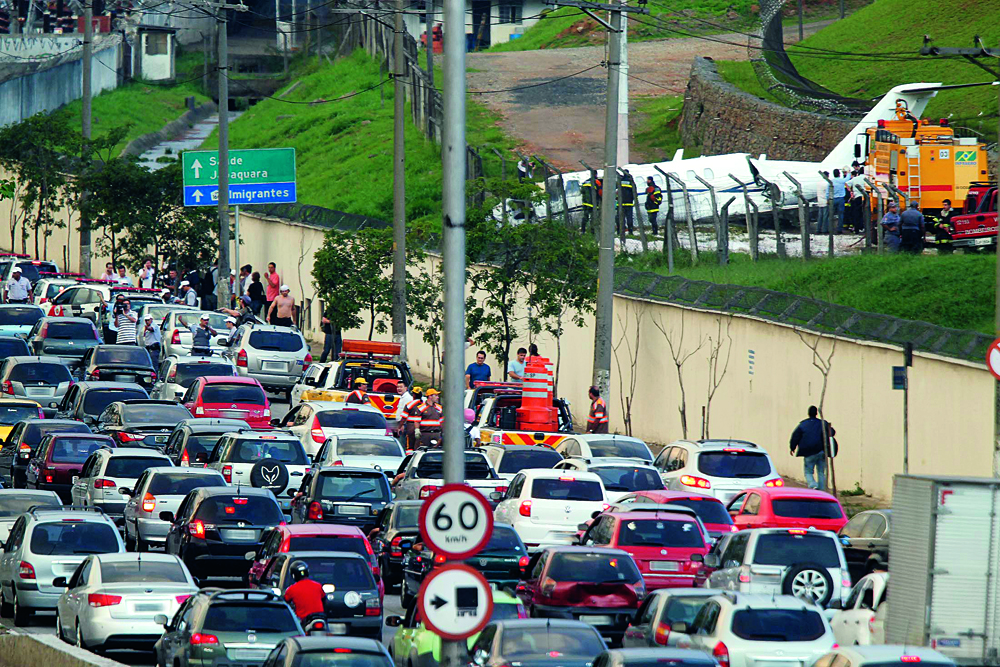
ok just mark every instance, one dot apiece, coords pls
pixel 372 360
pixel 977 227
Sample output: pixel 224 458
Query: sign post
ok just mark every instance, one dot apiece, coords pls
pixel 456 522
pixel 256 176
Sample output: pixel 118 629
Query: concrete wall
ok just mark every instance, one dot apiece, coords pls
pixel 720 118
pixel 18 650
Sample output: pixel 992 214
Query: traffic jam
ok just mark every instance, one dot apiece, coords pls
pixel 161 507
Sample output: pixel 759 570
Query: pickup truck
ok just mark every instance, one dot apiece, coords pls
pixel 496 423
pixel 977 227
pixel 423 475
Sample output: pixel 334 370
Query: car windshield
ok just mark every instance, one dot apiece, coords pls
pixel 521 459
pixel 35 431
pixel 245 616
pixel 157 311
pixel 349 418
pixel 347 574
pixel 133 356
pixel 76 450
pixel 628 478
pixel 628 449
pixel 70 330
pixel 73 536
pixel 275 341
pixel 793 548
pixel 352 543
pixel 30 269
pixel 256 510
pixel 349 372
pixel 541 641
pixel 323 658
pixel 155 413
pixel 709 510
pixel 179 484
pixel 406 516
pixel 233 393
pixel 592 567
pixel 387 447
pixel 807 508
pixel 683 609
pixel 566 488
pixel 13 347
pixel 12 504
pixel 657 533
pixel 347 486
pixel 286 451
pixel 130 467
pixel 52 289
pixel 504 539
pixel 95 400
pixel 778 625
pixel 11 414
pixel 138 571
pixel 37 372
pixel 185 374
pixel 22 316
pixel 734 464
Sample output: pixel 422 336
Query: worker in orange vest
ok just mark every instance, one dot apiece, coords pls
pixel 597 421
pixel 431 419
pixel 360 393
pixel 411 417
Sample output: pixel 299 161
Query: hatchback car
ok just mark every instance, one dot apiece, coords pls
pixel 313 422
pixel 329 652
pixel 620 476
pixel 308 537
pixel 709 509
pixel 275 356
pixel 348 496
pixel 381 452
pixel 720 468
pixel 15 502
pixel 787 507
pixel 45 544
pixel 86 400
pixel 106 471
pixel 177 336
pixel 119 363
pixel 110 601
pixel 141 423
pixel 545 507
pixel 13 410
pixel 176 374
pixel 660 611
pixel 66 338
pixel 32 269
pixel 50 284
pixel 158 489
pixel 42 379
pixel 24 439
pixel 59 458
pixel 508 460
pixel 534 641
pixel 17 319
pixel 13 346
pixel 603 445
pixel 193 440
pixel 392 538
pixel 229 397
pixel 274 462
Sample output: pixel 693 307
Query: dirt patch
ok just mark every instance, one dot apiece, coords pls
pixel 586 28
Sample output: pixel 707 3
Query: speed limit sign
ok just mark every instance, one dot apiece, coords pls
pixel 456 522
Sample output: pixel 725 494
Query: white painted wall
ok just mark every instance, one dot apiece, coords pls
pixel 158 67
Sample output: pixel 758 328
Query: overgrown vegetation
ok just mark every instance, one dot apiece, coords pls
pixel 657 133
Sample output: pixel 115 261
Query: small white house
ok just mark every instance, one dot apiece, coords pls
pixel 154 53
pixel 488 22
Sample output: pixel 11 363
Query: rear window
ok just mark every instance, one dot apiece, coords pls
pixel 593 568
pixel 202 444
pixel 13 347
pixel 12 504
pixel 347 574
pixel 708 510
pixel 657 533
pixel 133 356
pixel 321 658
pixel 521 459
pixel 778 625
pixel 622 448
pixel 738 464
pixel 185 374
pixel 807 508
pixel 153 413
pixel 286 451
pixel 564 489
pixel 130 467
pixel 76 450
pixel 407 516
pixel 233 393
pixel 793 549
pixel 349 418
pixel 179 484
pixel 70 331
pixel 36 372
pixel 11 414
pixel 249 616
pixel 52 289
pixel 683 609
pixel 368 447
pixel 34 432
pixel 22 316
pixel 134 572
pixel 506 611
pixel 256 510
pixel 275 341
pixel 31 268
pixel 503 539
pixel 476 466
pixel 346 486
pixel 628 478
pixel 95 400
pixel 64 538
pixel 328 543
pixel 529 643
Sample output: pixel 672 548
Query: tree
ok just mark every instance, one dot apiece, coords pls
pixel 715 344
pixel 823 366
pixel 425 312
pixel 679 357
pixel 627 397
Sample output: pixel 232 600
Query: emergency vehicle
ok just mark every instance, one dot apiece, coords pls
pixel 372 360
pixel 523 414
pixel 977 227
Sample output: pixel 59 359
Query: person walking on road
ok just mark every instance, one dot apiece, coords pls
pixel 654 197
pixel 256 293
pixel 431 419
pixel 282 308
pixel 890 222
pixel 411 417
pixel 807 442
pixel 912 229
pixel 597 420
pixel 273 281
pixel 201 336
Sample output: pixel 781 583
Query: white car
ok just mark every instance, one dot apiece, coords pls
pixel 177 336
pixel 107 470
pixel 313 422
pixel 861 621
pixel 176 374
pixel 720 468
pixel 741 630
pixel 546 507
pixel 620 476
pixel 508 460
pixel 319 376
pixel 603 445
pixel 886 655
pixel 46 289
pixel 381 452
pixel 271 460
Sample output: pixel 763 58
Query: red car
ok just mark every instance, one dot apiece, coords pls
pixel 59 458
pixel 709 509
pixel 229 397
pixel 786 507
pixel 601 587
pixel 660 543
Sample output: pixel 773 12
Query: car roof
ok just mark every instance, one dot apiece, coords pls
pixel 12 306
pixel 23 492
pixel 616 462
pixel 198 359
pixel 588 437
pixel 578 549
pixel 55 512
pixel 211 423
pixel 310 553
pixel 719 443
pixel 235 491
pixel 20 401
pixel 27 359
pixel 274 327
pixel 273 434
pixel 302 529
pixel 661 654
pixel 132 556
pixel 517 448
pixel 12 336
pixel 368 437
pixel 230 379
pixel 54 421
pixel 892 652
pixel 74 320
pixel 552 473
pixel 760 601
pixel 659 515
pixel 668 495
pixel 326 470
pixel 103 384
pixel 184 470
pixel 406 503
pixel 141 452
pixel 318 643
pixel 109 346
pixel 793 492
pixel 72 434
pixel 543 623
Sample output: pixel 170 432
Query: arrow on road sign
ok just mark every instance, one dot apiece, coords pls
pixel 196 165
pixel 437 602
pixel 197 195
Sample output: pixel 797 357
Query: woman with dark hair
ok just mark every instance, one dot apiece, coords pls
pixel 256 293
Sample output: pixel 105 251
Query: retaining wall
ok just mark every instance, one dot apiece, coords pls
pixel 20 650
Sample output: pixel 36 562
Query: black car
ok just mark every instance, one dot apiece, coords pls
pixel 343 495
pixel 215 527
pixel 501 562
pixel 23 440
pixel 532 641
pixel 352 602
pixel 865 539
pixel 141 423
pixel 119 363
pixel 68 338
pixel 328 652
pixel 392 538
pixel 13 346
pixel 87 400
pixel 193 440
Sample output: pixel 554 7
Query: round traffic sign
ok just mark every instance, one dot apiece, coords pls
pixel 456 597
pixel 993 358
pixel 456 522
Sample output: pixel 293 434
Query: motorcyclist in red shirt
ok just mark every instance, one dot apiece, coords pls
pixel 306 595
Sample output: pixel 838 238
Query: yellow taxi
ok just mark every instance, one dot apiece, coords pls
pixel 13 410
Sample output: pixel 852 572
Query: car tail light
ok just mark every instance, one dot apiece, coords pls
pixel 197 529
pixel 181 598
pixel 745 574
pixel 733 528
pixel 732 449
pixel 909 658
pixel 501 489
pixel 394 548
pixel 548 585
pixel 241 359
pixel 846 582
pixel 343 650
pixel 338 462
pixel 871 624
pixel 797 531
pixel 427 491
pixel 25 570
pixel 439 559
pixel 699 482
pixel 230 509
pixel 24 450
pixel 368 547
pixel 103 600
pixel 774 482
pixel 175 338
pixel 227 473
pixel 524 509
pixel 8 388
pixel 721 653
pixel 373 607
pixel 308 360
pixel 522 562
pixel 267 412
pixel 567 479
pixel 199 638
pixel 128 437
pixel 662 633
pixel 44 331
pixel 148 502
pixel 185 459
pixel 315 511
pixel 48 477
pixel 103 484
pixel 317 431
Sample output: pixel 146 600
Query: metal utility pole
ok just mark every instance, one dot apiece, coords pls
pixel 399 186
pixel 85 122
pixel 623 157
pixel 222 285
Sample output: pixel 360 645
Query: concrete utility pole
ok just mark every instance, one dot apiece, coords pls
pixel 623 156
pixel 85 122
pixel 222 285
pixel 399 185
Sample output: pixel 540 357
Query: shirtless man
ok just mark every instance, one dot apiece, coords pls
pixel 282 308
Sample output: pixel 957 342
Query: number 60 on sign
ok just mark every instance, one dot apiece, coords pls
pixel 456 522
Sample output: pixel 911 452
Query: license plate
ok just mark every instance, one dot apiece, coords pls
pixel 234 414
pixel 161 438
pixel 239 535
pixel 273 366
pixel 148 607
pixel 664 566
pixel 247 654
pixel 38 391
pixel 597 620
pixel 351 509
pixel 124 378
pixel 983 241
pixel 338 628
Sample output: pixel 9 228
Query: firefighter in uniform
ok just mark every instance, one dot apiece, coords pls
pixel 591 192
pixel 597 420
pixel 411 417
pixel 654 197
pixel 628 199
pixel 430 419
pixel 360 393
pixel 942 228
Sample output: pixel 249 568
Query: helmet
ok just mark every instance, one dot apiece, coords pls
pixel 300 570
pixel 361 380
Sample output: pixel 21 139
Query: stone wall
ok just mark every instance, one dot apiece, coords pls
pixel 721 118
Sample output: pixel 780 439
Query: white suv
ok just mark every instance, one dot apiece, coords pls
pixel 720 468
pixel 313 422
pixel 108 470
pixel 546 507
pixel 804 562
pixel 272 460
pixel 620 476
pixel 742 630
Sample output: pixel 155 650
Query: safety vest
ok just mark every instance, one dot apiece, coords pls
pixel 358 396
pixel 628 193
pixel 653 198
pixel 412 411
pixel 430 418
pixel 598 414
pixel 586 193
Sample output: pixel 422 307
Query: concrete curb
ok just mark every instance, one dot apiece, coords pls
pixel 18 650
pixel 170 131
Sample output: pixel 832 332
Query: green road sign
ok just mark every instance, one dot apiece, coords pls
pixel 259 165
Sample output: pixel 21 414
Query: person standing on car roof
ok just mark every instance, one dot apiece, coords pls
pixel 18 288
pixel 597 420
pixel 360 393
pixel 306 596
pixel 431 419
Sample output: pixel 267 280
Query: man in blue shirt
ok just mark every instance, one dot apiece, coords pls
pixel 839 194
pixel 477 372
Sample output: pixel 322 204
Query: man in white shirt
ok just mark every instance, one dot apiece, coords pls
pixel 188 295
pixel 823 190
pixel 121 278
pixel 855 193
pixel 18 288
pixel 152 339
pixel 146 274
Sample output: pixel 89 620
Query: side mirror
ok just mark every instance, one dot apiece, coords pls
pixel 496 496
pixel 201 457
pixel 160 619
pixel 711 560
pixel 582 526
pixel 680 627
pixel 404 545
pixel 292 492
pixel 594 515
pixel 250 555
pixel 697 558
pixel 276 591
pixel 124 491
pixel 59 582
pixel 393 621
pixel 167 516
pixel 287 518
pixel 275 422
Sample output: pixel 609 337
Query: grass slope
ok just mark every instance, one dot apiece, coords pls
pixel 656 134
